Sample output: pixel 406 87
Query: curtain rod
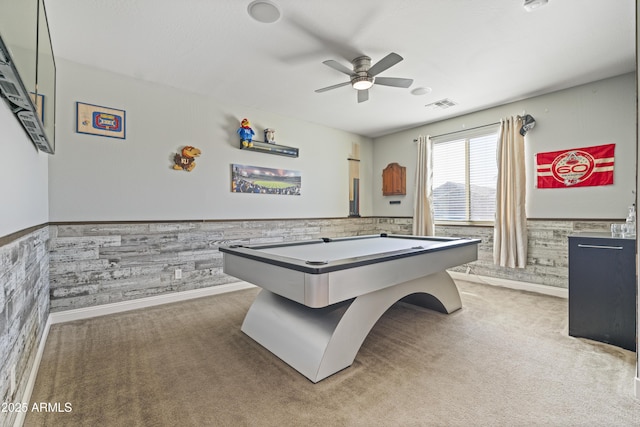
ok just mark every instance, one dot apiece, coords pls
pixel 463 130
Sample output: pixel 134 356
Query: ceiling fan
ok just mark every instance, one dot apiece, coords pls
pixel 363 75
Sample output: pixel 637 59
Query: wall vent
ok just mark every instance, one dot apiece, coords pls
pixel 443 104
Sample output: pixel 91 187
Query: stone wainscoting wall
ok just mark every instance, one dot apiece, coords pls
pixel 99 263
pixel 547 250
pixel 94 264
pixel 24 308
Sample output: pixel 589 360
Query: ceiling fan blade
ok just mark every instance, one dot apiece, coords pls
pixel 393 81
pixel 337 66
pixel 324 89
pixel 363 95
pixel 386 62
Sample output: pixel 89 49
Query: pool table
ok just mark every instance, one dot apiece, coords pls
pixel 320 298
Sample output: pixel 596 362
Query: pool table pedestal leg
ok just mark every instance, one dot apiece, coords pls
pixel 319 342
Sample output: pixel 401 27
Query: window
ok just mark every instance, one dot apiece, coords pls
pixel 465 172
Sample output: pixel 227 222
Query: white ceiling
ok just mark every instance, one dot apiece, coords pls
pixel 478 53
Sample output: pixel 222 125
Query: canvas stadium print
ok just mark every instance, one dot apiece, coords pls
pixel 259 180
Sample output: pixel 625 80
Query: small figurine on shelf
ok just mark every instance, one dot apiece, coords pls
pixel 246 133
pixel 270 135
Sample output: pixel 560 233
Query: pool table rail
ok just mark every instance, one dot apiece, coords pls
pixel 316 266
pixel 343 279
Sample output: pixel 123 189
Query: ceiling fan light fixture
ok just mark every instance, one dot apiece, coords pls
pixel 530 5
pixel 364 75
pixel 362 82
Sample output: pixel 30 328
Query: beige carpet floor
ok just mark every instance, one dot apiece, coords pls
pixel 505 359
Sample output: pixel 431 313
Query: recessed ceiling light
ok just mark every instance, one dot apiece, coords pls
pixel 263 11
pixel 421 91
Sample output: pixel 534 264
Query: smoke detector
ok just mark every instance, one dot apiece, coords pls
pixel 530 5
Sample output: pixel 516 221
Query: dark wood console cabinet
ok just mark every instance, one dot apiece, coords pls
pixel 602 289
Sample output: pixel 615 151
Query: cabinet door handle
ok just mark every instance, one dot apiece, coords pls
pixel 618 248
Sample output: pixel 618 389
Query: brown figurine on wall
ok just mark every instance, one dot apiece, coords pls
pixel 186 160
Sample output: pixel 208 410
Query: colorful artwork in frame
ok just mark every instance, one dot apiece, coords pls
pixel 102 121
pixel 259 180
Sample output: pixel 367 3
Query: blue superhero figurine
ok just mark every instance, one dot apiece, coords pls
pixel 246 133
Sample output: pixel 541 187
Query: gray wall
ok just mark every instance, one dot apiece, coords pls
pixel 105 179
pixel 23 177
pixel 598 113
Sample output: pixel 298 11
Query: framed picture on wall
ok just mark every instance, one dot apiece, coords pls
pixel 101 121
pixel 259 180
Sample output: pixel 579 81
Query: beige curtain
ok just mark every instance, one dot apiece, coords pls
pixel 422 210
pixel 510 230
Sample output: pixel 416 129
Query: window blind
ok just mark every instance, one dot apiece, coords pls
pixel 464 177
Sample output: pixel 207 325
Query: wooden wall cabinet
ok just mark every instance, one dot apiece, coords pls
pixel 394 180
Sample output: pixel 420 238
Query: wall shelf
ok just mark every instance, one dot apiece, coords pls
pixel 263 147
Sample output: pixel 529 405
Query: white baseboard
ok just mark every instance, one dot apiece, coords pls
pixel 26 395
pixel 119 307
pixel 512 284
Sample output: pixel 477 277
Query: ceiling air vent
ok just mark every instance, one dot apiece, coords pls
pixel 443 104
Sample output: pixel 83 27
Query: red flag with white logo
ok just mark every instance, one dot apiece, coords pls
pixel 579 167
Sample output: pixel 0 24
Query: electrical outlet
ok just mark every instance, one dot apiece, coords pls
pixel 178 273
